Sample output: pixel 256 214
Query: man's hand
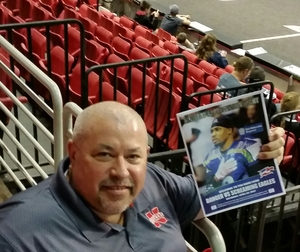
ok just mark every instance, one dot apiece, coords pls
pixel 155 13
pixel 275 148
pixel 225 168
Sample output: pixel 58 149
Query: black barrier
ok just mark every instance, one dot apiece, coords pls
pixel 16 36
pixel 197 99
pixel 143 86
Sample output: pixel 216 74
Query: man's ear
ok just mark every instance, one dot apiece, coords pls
pixel 148 150
pixel 71 150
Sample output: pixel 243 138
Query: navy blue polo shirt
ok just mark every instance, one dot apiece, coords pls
pixel 52 217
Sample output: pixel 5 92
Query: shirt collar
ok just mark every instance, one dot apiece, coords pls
pixel 91 226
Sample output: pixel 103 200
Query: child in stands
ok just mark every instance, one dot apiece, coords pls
pixel 184 43
pixel 207 51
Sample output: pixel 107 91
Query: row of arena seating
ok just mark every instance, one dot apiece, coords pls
pixel 108 41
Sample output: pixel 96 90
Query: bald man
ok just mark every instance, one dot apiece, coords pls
pixel 105 196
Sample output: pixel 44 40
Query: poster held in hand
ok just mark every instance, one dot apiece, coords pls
pixel 223 141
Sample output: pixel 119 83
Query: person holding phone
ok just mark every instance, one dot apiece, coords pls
pixel 145 17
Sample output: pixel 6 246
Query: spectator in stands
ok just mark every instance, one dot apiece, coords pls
pixel 242 69
pixel 145 17
pixel 207 51
pixel 105 196
pixel 290 102
pixel 172 21
pixel 184 43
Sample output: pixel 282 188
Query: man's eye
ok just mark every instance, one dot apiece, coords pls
pixel 104 154
pixel 134 157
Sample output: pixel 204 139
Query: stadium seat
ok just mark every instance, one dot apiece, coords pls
pixel 136 54
pixel 89 25
pixel 119 29
pixel 57 56
pixel 197 76
pixel 153 38
pixel 163 35
pixel 207 67
pixel 179 65
pixel 13 6
pixel 95 53
pixel 127 22
pixel 163 102
pixel 83 9
pixel 94 15
pixel 192 58
pixel 107 23
pixel 108 94
pixel 71 13
pixel 219 72
pixel 53 6
pixel 69 3
pixel 229 68
pixel 137 86
pixel 157 51
pixel 76 98
pixel 177 84
pixel 171 47
pixel 121 47
pixel 103 34
pixel 73 41
pixel 40 14
pixel 206 99
pixel 26 9
pixel 129 35
pixel 93 82
pixel 212 82
pixel 141 31
pixel 164 73
pixel 143 44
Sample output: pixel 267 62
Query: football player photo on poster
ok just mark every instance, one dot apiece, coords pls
pixel 223 141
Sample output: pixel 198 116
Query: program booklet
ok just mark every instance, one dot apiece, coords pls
pixel 223 140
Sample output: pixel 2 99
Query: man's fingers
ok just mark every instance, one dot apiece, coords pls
pixel 278 154
pixel 276 143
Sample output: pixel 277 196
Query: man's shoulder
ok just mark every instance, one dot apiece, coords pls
pixel 33 202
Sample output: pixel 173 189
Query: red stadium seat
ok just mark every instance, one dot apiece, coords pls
pixel 229 68
pixel 157 51
pixel 206 99
pixel 163 107
pixel 14 6
pixel 219 72
pixel 207 67
pixel 164 73
pixel 177 84
pixel 121 47
pixel 73 41
pixel 107 94
pixel 192 58
pixel 141 31
pixel 137 85
pixel 143 44
pixel 94 15
pixel 53 6
pixel 171 47
pixel 71 13
pixel 153 38
pixel 212 82
pixel 103 34
pixel 127 22
pixel 75 82
pixel 88 25
pixel 95 53
pixel 107 23
pixel 136 54
pixel 163 35
pixel 25 12
pixel 121 72
pixel 197 76
pixel 57 56
pixel 69 3
pixel 40 14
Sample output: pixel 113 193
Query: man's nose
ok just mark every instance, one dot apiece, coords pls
pixel 120 168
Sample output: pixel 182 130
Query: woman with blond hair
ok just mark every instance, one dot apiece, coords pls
pixel 207 51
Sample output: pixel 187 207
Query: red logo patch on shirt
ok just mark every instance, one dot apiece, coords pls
pixel 156 217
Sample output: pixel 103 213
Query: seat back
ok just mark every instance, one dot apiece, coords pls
pixel 197 75
pixel 103 34
pixel 207 67
pixel 107 94
pixel 157 51
pixel 58 61
pixel 127 22
pixel 163 35
pixel 141 31
pixel 206 99
pixel 192 58
pixel 171 47
pixel 177 84
pixel 212 82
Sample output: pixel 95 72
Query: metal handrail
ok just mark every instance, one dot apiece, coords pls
pixel 54 93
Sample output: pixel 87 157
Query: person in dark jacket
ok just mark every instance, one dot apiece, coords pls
pixel 144 16
pixel 207 51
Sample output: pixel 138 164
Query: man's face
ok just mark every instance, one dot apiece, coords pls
pixel 220 134
pixel 108 168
